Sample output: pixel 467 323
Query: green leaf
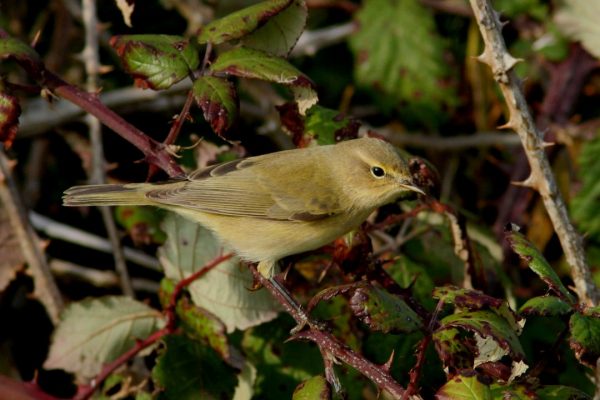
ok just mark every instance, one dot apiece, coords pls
pixel 156 61
pixel 315 388
pixel 545 306
pixel 218 100
pixel 558 392
pixel 585 335
pixel 537 263
pixel 384 312
pixel 537 9
pixel 96 331
pixel 141 223
pixel 415 276
pixel 11 47
pixel 328 126
pixel 468 299
pixel 464 388
pixel 280 34
pixel 585 207
pixel 223 291
pixel 201 325
pixel 242 22
pixel 9 118
pixel 189 370
pixel 487 324
pixel 578 20
pixel 281 365
pixel 409 66
pixel 255 64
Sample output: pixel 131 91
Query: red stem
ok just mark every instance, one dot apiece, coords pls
pixel 85 392
pixel 178 123
pixel 185 282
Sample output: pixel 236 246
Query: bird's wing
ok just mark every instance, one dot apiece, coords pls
pixel 261 187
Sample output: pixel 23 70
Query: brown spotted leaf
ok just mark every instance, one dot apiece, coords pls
pixel 280 34
pixel 464 387
pixel 585 335
pixel 217 98
pixel 537 263
pixel 14 48
pixel 384 312
pixel 201 325
pixel 545 306
pixel 156 61
pixel 255 64
pixel 487 324
pixel 242 22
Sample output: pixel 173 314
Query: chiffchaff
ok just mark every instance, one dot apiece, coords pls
pixel 275 205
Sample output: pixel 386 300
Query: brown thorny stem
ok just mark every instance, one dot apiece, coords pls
pixel 541 178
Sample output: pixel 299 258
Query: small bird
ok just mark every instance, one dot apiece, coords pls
pixel 275 205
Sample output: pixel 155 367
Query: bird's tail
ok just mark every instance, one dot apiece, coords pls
pixel 106 195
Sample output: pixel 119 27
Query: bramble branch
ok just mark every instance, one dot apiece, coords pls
pixel 541 177
pixel 154 152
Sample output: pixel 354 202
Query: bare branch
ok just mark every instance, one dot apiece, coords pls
pixel 45 286
pixel 541 178
pixel 69 234
pixel 91 58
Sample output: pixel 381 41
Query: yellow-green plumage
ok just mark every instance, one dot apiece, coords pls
pixel 275 205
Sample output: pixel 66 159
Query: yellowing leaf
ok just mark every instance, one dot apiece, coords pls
pixel 94 332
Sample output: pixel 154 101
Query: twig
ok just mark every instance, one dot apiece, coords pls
pixel 449 6
pixel 541 178
pixel 178 123
pixel 69 234
pixel 154 152
pixel 45 286
pixel 415 372
pixel 450 143
pixel 97 278
pixel 97 175
pixel 310 42
pixel 38 115
pixel 331 345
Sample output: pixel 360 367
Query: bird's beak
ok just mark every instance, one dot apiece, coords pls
pixel 410 186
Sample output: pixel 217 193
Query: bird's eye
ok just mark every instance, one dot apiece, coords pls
pixel 378 172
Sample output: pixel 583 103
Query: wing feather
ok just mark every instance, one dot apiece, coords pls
pixel 257 187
